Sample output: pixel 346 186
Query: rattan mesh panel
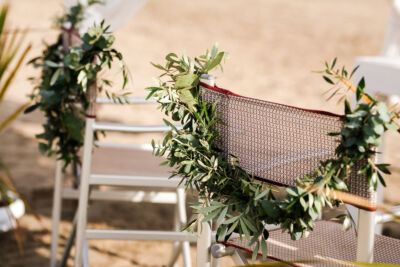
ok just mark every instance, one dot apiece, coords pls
pixel 327 242
pixel 277 143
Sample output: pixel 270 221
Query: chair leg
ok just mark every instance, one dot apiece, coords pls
pixel 203 243
pixel 186 254
pixel 177 245
pixel 86 253
pixel 181 199
pixel 84 192
pixel 180 219
pixel 365 236
pixel 56 213
pixel 215 262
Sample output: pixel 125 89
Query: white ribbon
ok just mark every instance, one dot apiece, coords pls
pixel 391 44
pixel 114 12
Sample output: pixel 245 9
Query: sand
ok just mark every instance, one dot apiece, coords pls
pixel 273 46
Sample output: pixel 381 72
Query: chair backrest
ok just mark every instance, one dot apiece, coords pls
pixel 278 143
pixel 381 73
pixel 382 76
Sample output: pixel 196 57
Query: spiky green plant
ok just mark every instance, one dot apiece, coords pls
pixel 11 58
pixel 12 54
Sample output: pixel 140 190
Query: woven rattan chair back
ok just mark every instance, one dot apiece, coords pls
pixel 277 143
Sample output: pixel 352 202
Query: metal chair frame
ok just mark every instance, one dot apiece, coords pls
pixel 366 222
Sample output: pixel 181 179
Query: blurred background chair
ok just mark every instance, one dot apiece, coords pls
pixel 146 174
pixel 382 79
pixel 117 172
pixel 111 173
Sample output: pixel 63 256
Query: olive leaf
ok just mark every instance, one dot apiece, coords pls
pixel 187 81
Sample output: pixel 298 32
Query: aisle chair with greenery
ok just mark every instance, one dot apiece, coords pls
pixel 159 189
pixel 236 150
pixel 67 95
pixel 287 143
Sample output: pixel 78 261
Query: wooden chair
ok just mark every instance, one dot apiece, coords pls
pixel 144 173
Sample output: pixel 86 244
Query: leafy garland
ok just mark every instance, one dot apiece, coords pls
pixel 233 199
pixel 66 75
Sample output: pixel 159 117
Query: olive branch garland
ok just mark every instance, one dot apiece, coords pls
pixel 234 200
pixel 66 75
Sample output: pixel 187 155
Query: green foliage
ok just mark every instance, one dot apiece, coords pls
pixel 12 54
pixel 363 126
pixel 11 59
pixel 233 199
pixel 61 93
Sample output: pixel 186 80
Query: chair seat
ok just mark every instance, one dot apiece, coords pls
pixel 327 242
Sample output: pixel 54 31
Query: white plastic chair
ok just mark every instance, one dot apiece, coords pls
pixel 174 195
pixel 382 76
pixel 257 162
